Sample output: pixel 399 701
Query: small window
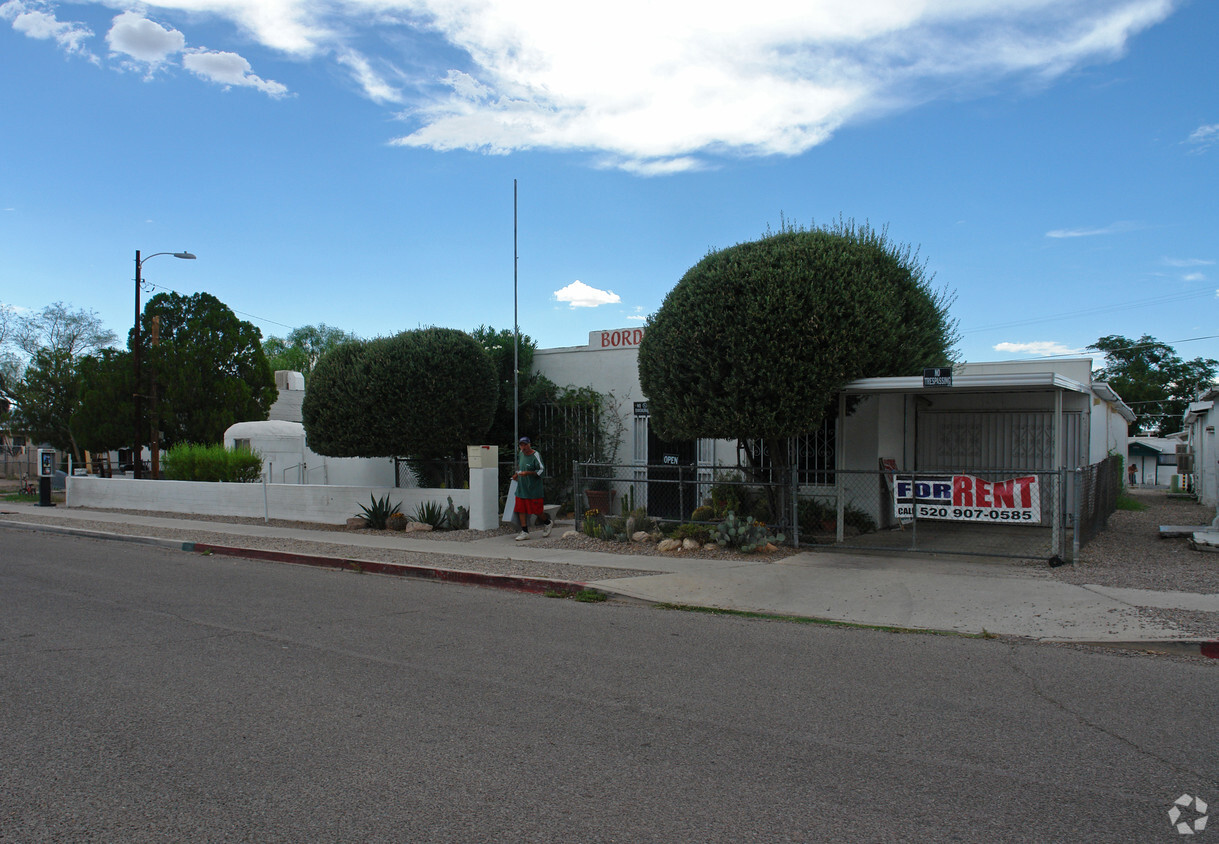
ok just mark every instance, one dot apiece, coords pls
pixel 241 445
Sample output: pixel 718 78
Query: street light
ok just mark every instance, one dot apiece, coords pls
pixel 137 345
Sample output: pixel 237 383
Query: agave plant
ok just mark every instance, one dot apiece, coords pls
pixel 430 513
pixel 377 515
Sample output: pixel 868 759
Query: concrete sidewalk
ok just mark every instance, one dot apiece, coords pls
pixel 968 595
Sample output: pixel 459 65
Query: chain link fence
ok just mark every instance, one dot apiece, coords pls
pixel 1096 491
pixel 1028 514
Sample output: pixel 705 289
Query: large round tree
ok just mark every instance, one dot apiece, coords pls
pixel 756 340
pixel 423 393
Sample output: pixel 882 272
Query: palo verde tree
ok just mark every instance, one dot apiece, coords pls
pixel 756 340
pixel 304 347
pixel 1151 378
pixel 424 393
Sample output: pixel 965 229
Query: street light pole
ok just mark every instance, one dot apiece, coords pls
pixel 136 347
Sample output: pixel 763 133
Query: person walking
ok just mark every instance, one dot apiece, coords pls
pixel 528 477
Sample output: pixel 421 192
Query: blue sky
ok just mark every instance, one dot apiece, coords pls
pixel 1054 161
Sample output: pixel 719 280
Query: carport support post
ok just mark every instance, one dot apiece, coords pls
pixel 1056 528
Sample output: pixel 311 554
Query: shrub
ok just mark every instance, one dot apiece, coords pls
pixel 397 522
pixel 643 521
pixel 746 535
pixel 214 463
pixel 377 515
pixel 705 513
pixel 699 533
pixel 430 513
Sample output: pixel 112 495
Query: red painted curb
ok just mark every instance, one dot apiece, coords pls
pixel 518 583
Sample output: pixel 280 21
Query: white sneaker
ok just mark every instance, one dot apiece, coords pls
pixel 521 535
pixel 546 529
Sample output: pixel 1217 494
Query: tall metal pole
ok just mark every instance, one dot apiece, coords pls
pixel 135 354
pixel 516 339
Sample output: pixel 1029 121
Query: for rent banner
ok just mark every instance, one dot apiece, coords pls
pixel 965 498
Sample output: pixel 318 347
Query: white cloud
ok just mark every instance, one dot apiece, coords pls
pixel 580 295
pixel 1204 137
pixel 36 23
pixel 657 86
pixel 1114 228
pixel 1193 277
pixel 1187 262
pixel 134 35
pixel 1038 348
pixel 373 84
pixel 228 69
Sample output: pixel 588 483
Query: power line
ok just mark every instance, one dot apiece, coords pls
pixel 1103 309
pixel 153 286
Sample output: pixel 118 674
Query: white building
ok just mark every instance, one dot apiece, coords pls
pixel 280 440
pixel 1038 414
pixel 1199 428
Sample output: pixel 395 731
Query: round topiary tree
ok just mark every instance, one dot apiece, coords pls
pixel 756 340
pixel 423 393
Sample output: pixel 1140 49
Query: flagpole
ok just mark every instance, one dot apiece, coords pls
pixel 516 336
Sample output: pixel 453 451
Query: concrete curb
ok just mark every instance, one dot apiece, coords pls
pixel 516 583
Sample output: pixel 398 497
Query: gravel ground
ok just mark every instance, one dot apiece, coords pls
pixel 1129 552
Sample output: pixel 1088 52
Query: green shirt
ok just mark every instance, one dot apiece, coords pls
pixel 529 486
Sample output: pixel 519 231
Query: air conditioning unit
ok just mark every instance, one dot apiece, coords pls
pixel 1185 459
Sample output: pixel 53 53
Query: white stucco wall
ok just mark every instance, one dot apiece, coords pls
pixel 329 504
pixel 606 370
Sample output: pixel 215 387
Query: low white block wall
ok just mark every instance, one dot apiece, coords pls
pixel 294 502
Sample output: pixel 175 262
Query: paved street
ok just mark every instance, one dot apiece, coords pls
pixel 155 695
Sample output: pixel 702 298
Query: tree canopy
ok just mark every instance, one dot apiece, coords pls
pixel 206 366
pixel 756 340
pixel 1153 380
pixel 44 386
pixel 532 389
pixel 423 393
pixel 304 347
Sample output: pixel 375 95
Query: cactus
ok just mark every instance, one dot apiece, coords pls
pixel 746 535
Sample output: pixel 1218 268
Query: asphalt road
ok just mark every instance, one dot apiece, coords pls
pixel 150 695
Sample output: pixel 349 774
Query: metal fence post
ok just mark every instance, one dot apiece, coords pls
pixel 1056 516
pixel 681 494
pixel 795 514
pixel 576 510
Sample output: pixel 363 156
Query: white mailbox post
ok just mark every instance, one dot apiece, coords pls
pixel 484 486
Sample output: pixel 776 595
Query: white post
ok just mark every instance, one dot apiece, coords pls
pixel 484 486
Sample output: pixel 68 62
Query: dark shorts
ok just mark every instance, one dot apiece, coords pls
pixel 529 506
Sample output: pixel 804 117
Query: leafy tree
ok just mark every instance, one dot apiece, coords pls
pixel 46 399
pixel 103 421
pixel 423 393
pixel 304 347
pixel 62 331
pixel 533 387
pixel 207 367
pixel 757 340
pixel 47 396
pixel 1151 378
